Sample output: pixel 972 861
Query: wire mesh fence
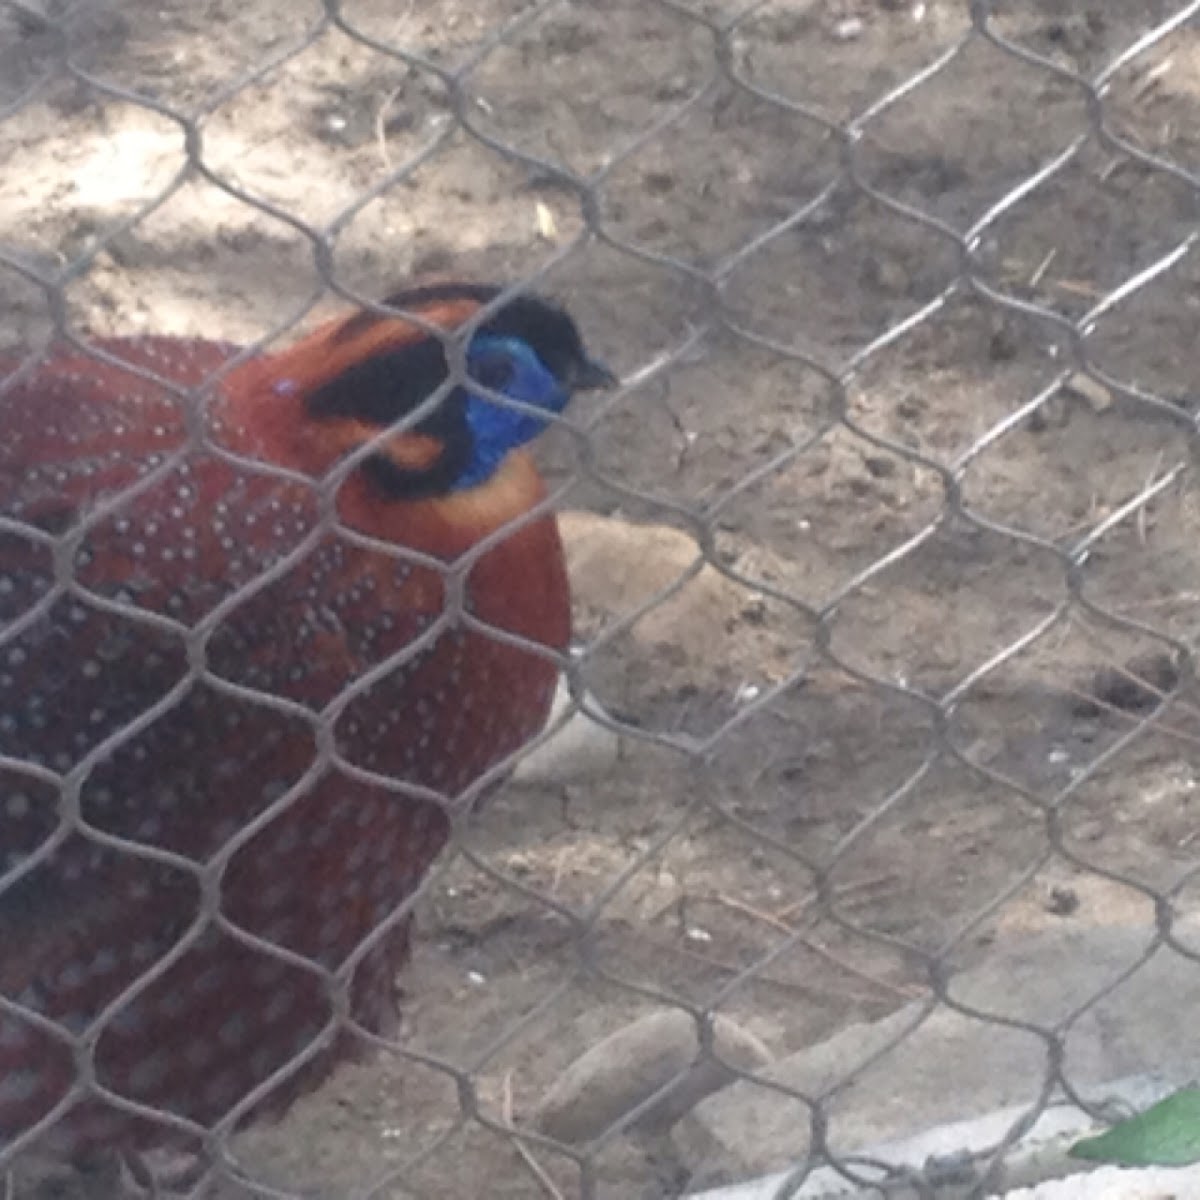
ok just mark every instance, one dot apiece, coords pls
pixel 880 812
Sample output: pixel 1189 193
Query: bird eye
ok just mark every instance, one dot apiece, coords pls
pixel 495 372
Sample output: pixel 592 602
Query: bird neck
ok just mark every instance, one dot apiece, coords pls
pixel 449 525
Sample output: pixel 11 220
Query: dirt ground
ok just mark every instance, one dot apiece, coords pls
pixel 816 695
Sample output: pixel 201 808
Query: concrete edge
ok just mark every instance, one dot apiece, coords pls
pixel 1038 1161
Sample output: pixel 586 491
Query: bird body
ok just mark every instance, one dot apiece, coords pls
pixel 236 709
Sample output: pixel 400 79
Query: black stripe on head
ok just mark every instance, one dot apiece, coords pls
pixel 380 390
pixel 537 321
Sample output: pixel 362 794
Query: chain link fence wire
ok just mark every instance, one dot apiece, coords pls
pixel 883 557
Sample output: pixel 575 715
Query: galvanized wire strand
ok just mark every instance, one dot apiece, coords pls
pixel 1047 808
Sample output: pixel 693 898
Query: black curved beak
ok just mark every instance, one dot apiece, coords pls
pixel 590 375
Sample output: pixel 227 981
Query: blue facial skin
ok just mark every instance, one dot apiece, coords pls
pixel 509 367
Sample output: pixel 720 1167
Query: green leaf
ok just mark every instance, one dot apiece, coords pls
pixel 1167 1135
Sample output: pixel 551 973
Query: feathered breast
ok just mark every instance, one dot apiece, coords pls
pixel 178 680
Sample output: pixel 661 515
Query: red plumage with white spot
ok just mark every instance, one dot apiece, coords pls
pixel 195 878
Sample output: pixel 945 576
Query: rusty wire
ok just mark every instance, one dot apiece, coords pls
pixel 729 69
